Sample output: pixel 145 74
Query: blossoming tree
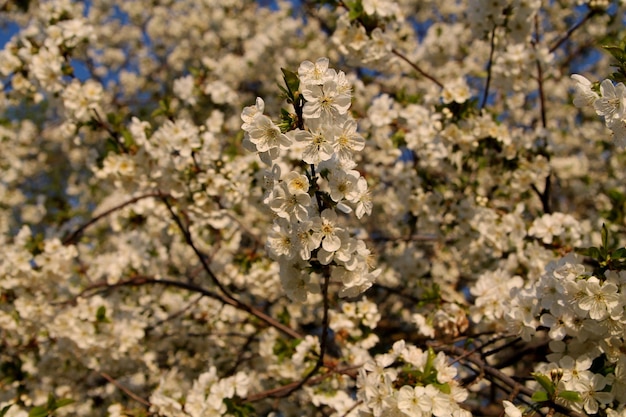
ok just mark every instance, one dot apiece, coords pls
pixel 318 208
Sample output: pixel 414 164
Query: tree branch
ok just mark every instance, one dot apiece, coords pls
pixel 571 30
pixel 416 67
pixel 76 234
pixel 285 390
pixel 141 280
pixel 189 240
pixel 124 389
pixel 502 377
pixel 492 44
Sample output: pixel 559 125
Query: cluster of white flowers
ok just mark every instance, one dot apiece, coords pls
pixel 408 381
pixel 557 225
pixel 609 101
pixel 37 56
pixel 515 15
pixel 308 206
pixel 206 397
pixel 583 315
pixel 144 244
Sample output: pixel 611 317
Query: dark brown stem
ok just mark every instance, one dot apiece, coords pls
pixel 545 196
pixel 285 390
pixel 189 240
pixel 571 30
pixel 489 67
pixel 124 389
pixel 75 235
pixel 513 385
pixel 416 67
pixel 140 280
pixel 323 341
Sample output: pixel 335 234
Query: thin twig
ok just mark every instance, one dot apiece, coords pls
pixel 489 67
pixel 416 67
pixel 571 30
pixel 323 341
pixel 545 196
pixel 189 240
pixel 124 389
pixel 74 236
pixel 225 295
pixel 114 134
pixel 495 373
pixel 542 98
pixel 227 300
pixel 175 314
pixel 284 390
pixel 141 280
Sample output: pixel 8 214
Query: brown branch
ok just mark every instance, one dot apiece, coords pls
pixel 189 240
pixel 174 315
pixel 571 30
pixel 124 389
pixel 75 235
pixel 140 280
pixel 225 295
pixel 416 67
pixel 513 385
pixel 116 136
pixel 492 49
pixel 545 196
pixel 285 390
pixel 397 52
pixel 323 341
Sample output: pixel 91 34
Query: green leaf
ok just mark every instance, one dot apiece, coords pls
pixel 5 410
pixel 591 252
pixel 545 382
pixel 617 52
pixel 236 409
pixel 618 253
pixel 38 412
pixel 287 121
pixel 284 349
pixel 540 396
pixel 429 369
pixel 52 405
pixel 62 402
pixel 292 81
pixel 101 314
pixel 164 108
pixel 605 236
pixel 445 388
pixel 51 401
pixel 355 10
pixel 128 138
pixel 570 396
pixel 283 89
pixel 111 145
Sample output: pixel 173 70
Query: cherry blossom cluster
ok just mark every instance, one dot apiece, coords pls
pixel 582 314
pixel 410 381
pixel 153 247
pixel 608 99
pixel 309 205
